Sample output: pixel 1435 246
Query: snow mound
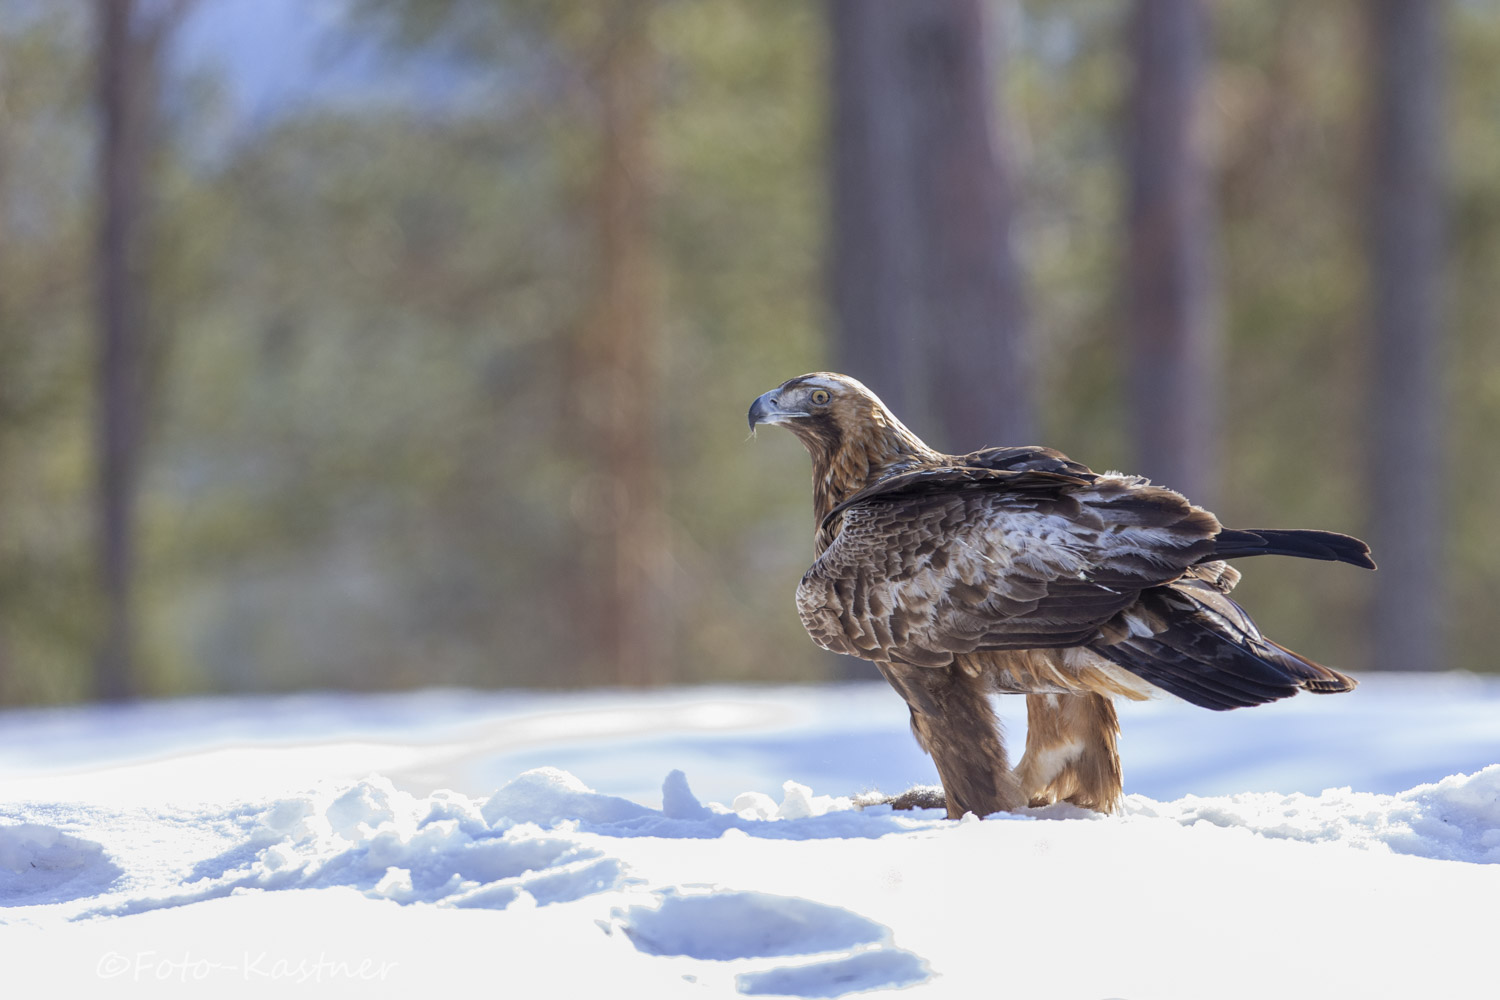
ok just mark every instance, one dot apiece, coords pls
pixel 392 845
pixel 524 845
pixel 546 795
pixel 42 864
pixel 1456 819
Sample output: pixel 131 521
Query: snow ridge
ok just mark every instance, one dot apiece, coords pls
pixel 544 838
pixel 1456 819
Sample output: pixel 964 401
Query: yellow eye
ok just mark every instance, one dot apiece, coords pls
pixel 819 396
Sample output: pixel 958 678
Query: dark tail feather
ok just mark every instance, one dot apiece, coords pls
pixel 1234 543
pixel 1212 656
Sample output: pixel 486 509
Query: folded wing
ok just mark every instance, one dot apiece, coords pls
pixel 957 560
pixel 940 562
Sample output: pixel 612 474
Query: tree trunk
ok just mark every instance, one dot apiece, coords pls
pixel 619 360
pixel 7 351
pixel 1174 332
pixel 1406 251
pixel 926 287
pixel 121 150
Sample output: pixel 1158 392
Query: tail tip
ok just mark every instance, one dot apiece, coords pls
pixel 1334 683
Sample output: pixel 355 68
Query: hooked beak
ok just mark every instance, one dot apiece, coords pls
pixel 766 410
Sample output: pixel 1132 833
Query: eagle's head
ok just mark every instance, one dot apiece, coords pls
pixel 851 435
pixel 823 409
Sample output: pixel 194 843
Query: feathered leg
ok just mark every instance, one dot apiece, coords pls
pixel 1071 754
pixel 952 719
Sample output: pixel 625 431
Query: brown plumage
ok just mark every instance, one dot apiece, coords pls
pixel 1018 570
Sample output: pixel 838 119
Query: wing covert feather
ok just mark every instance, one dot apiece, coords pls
pixel 917 577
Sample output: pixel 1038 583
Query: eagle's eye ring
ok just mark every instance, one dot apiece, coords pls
pixel 819 396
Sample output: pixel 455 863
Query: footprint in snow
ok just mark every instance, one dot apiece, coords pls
pixel 729 925
pixel 42 864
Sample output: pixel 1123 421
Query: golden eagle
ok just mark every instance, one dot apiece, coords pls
pixel 1018 570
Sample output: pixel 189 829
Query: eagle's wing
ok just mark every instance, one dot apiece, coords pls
pixel 1025 458
pixel 943 561
pixel 927 481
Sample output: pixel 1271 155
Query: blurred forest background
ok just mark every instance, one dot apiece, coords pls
pixel 381 343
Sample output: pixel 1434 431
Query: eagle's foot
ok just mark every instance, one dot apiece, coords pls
pixel 916 797
pixel 1071 754
pixel 929 797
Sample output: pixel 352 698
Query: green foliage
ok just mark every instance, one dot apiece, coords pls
pixel 1291 130
pixel 46 582
pixel 362 466
pixel 742 222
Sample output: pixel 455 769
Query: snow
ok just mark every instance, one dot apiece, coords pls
pixel 710 842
